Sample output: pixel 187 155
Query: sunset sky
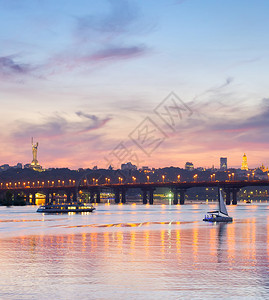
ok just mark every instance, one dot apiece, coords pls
pixel 91 82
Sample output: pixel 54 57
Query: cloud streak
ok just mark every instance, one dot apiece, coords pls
pixel 9 67
pixel 59 126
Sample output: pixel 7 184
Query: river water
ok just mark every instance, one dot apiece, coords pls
pixel 134 252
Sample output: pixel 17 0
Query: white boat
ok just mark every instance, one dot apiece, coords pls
pixel 65 208
pixel 220 215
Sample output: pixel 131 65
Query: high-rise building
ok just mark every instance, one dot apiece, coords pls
pixel 223 163
pixel 128 166
pixel 189 166
pixel 244 163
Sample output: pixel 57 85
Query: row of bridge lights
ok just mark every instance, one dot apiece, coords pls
pixel 49 183
pixel 107 180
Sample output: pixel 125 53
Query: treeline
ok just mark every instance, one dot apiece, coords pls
pixel 8 199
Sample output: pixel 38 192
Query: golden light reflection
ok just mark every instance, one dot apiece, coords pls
pixel 195 242
pixel 178 241
pixel 162 234
pixel 106 241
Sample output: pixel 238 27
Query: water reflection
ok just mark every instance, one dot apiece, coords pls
pixel 148 259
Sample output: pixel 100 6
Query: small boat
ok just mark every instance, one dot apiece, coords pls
pixel 220 215
pixel 65 208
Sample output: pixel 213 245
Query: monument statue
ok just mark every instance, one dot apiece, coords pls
pixel 34 150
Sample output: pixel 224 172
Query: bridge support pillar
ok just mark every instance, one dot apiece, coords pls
pixel 151 194
pixel 235 190
pixel 92 196
pixel 27 198
pixel 98 198
pixel 33 199
pixel 75 196
pixel 47 199
pixel 68 197
pixel 175 197
pixel 182 197
pixel 228 196
pixel 123 196
pixel 145 196
pixel 117 196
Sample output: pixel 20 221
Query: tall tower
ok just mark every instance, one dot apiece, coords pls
pixel 223 163
pixel 244 163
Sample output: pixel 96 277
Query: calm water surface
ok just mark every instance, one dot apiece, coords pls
pixel 134 252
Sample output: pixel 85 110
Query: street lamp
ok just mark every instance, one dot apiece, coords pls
pixel 178 178
pixel 253 174
pixel 232 176
pixel 134 179
pixel 229 177
pixel 195 177
pixel 248 176
pixel 120 180
pixel 148 179
pixel 163 177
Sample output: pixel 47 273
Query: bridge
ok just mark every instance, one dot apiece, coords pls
pixel 71 189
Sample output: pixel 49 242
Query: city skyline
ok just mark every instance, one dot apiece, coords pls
pixel 80 78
